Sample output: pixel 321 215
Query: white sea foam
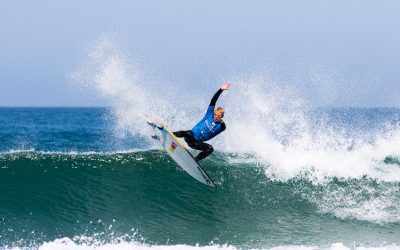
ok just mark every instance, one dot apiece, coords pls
pixel 271 123
pixel 45 152
pixel 67 243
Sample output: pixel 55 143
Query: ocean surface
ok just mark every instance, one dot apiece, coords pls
pixel 84 178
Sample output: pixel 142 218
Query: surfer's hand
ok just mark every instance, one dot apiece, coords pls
pixel 226 86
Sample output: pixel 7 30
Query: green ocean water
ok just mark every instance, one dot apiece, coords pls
pixel 145 197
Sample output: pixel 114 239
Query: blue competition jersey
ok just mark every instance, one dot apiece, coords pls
pixel 207 128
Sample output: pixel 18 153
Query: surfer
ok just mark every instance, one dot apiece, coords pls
pixel 209 127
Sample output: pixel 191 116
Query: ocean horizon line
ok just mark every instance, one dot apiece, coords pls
pixel 108 107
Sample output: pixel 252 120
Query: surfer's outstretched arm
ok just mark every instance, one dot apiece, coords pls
pixel 225 86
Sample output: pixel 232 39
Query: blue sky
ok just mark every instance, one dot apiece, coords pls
pixel 349 49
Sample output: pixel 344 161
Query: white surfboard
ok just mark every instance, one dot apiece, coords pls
pixel 180 154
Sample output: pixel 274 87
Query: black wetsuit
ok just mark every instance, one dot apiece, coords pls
pixel 199 144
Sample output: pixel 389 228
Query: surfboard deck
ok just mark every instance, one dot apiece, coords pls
pixel 180 154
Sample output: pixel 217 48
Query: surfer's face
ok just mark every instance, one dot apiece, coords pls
pixel 217 116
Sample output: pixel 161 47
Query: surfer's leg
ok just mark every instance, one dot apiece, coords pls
pixel 188 136
pixel 206 150
pixel 184 133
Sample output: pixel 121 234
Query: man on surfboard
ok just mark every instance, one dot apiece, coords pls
pixel 209 127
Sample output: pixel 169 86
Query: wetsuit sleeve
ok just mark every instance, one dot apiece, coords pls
pixel 223 126
pixel 215 97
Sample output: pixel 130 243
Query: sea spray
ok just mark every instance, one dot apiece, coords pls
pixel 320 151
pixel 134 97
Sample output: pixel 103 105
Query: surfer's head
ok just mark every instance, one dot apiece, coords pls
pixel 219 114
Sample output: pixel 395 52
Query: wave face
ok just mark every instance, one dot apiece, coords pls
pixel 143 197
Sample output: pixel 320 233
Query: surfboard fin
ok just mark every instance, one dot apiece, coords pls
pixel 155 125
pixel 151 124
